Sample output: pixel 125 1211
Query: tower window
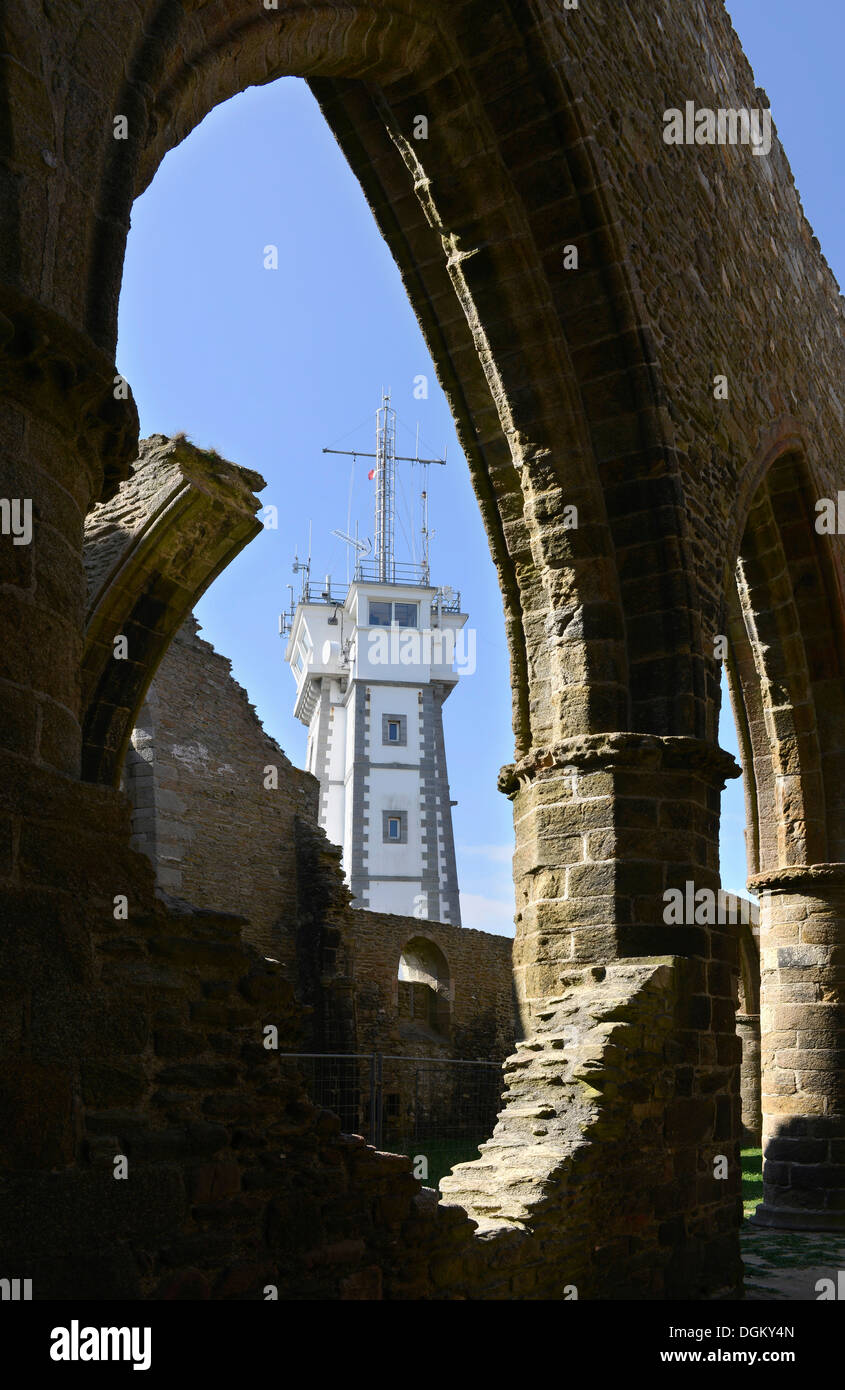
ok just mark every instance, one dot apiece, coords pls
pixel 395 827
pixel 381 614
pixel 405 614
pixel 385 614
pixel 394 729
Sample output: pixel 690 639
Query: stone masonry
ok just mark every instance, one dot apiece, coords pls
pixel 585 381
pixel 223 840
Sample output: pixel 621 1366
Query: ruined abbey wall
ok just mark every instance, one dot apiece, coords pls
pixel 216 811
pixel 587 382
pixel 231 826
pixel 480 987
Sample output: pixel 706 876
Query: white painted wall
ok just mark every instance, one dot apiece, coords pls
pixel 395 700
pixel 395 790
pixel 392 897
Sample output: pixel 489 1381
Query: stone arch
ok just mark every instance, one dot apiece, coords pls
pixel 787 679
pixel 424 987
pixel 424 961
pixel 594 614
pixel 787 672
pixel 557 395
pixel 151 551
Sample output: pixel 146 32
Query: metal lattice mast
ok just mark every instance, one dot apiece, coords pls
pixel 385 479
pixel 385 489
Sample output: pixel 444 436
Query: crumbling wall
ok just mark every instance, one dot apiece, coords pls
pixel 230 825
pixel 590 387
pixel 153 1147
pixel 226 796
pixel 481 1010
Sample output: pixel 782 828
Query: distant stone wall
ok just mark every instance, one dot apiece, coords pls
pixel 217 835
pixel 219 838
pixel 480 988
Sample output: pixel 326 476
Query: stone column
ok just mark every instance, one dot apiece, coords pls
pixel 62 430
pixel 748 1030
pixel 627 1080
pixel 802 939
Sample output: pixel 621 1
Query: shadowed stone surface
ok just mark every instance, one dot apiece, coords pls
pixel 150 554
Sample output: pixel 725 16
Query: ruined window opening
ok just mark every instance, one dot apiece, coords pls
pixel 425 1008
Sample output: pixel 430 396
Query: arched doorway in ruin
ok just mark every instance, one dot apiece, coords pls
pixel 424 989
pixel 787 677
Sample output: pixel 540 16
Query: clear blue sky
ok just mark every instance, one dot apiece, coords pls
pixel 269 366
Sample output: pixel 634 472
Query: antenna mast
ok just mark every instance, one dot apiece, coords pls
pixel 385 473
pixel 385 489
pixel 426 536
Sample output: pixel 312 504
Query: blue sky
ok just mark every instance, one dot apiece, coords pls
pixel 268 366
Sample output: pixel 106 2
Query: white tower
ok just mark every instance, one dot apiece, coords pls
pixel 373 664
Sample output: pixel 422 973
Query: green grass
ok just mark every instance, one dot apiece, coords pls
pixel 752 1180
pixel 442 1156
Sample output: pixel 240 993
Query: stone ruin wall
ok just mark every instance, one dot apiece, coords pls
pixel 595 389
pixel 480 984
pixel 223 841
pixel 196 777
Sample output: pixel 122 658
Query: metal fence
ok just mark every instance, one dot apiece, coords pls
pixel 436 1108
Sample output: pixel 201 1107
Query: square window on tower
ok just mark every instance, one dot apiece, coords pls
pixel 395 827
pixel 394 729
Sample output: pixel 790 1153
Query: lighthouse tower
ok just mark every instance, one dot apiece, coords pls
pixel 374 662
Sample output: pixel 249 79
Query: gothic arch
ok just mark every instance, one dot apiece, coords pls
pixel 787 670
pixel 151 551
pixel 554 385
pixel 787 678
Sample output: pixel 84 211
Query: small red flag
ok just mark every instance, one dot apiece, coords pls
pixel 371 474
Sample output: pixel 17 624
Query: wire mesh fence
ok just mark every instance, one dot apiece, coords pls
pixel 437 1110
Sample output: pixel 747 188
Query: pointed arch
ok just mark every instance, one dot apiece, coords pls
pixel 552 378
pixel 787 668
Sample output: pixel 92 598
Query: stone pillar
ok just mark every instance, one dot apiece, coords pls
pixel 628 1076
pixel 748 1031
pixel 61 431
pixel 802 940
